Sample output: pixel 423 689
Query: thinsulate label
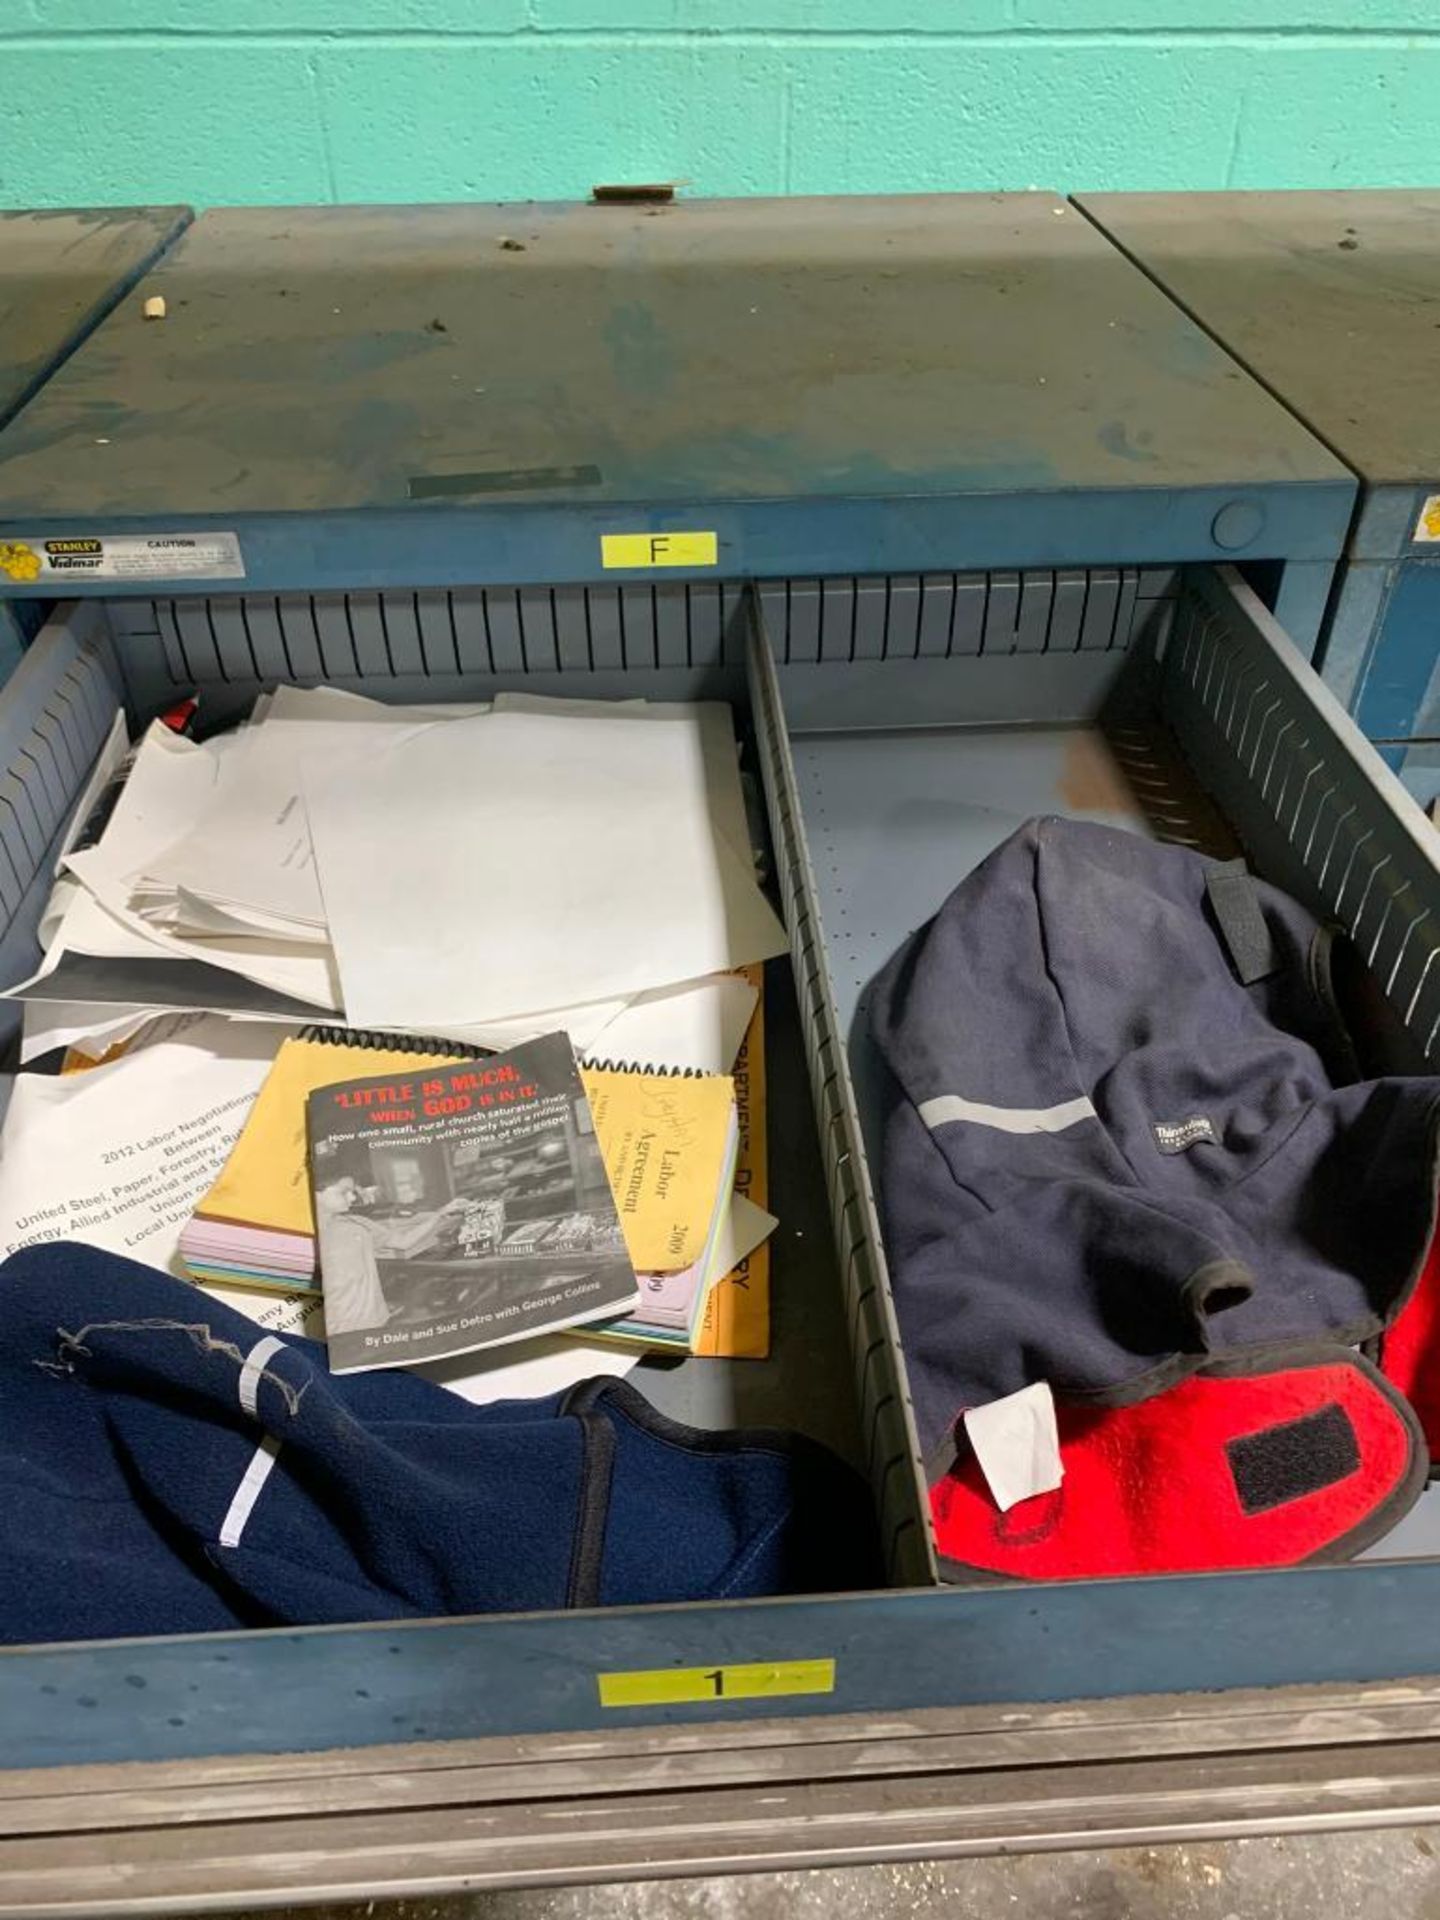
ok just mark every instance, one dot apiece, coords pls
pixel 29 557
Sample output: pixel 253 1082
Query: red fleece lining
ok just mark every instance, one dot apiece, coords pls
pixel 1410 1355
pixel 1149 1488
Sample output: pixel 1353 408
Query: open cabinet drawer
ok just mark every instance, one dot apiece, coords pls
pixel 238 1768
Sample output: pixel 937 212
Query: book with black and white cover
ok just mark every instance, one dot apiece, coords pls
pixel 461 1207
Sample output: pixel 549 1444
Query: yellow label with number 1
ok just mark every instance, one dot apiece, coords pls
pixel 762 1680
pixel 659 549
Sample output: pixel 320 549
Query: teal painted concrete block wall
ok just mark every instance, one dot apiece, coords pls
pixel 219 101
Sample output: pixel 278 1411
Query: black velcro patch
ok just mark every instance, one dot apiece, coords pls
pixel 1238 913
pixel 1301 1456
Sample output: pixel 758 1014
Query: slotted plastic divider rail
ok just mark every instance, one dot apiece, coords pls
pixel 949 615
pixel 479 632
pixel 1312 801
pixel 882 1395
pixel 58 707
pixel 356 639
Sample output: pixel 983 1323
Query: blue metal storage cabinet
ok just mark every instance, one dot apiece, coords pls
pixel 479 396
pixel 61 272
pixel 1332 300
pixel 938 492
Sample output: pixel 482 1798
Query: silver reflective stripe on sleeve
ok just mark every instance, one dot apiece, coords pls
pixel 950 1106
pixel 255 1363
pixel 248 1491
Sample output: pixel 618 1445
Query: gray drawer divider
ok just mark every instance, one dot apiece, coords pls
pixel 1309 796
pixel 58 707
pixel 886 1415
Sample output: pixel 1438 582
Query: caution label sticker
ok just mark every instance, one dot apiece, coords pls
pixel 1427 527
pixel 29 558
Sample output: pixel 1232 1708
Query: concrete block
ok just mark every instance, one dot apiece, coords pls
pixel 1252 17
pixel 282 100
pixel 1009 116
pixel 780 18
pixel 158 123
pixel 296 18
pixel 1340 116
pixel 494 121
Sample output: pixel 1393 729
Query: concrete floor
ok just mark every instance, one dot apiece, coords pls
pixel 1365 1876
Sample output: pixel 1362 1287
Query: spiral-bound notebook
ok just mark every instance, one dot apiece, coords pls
pixel 256 1226
pixel 362 1040
pixel 733 1305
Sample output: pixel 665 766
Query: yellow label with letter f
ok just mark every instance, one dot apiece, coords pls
pixel 659 549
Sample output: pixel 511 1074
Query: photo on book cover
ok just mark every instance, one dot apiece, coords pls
pixel 462 1207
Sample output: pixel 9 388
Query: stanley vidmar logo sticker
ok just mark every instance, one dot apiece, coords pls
pixel 27 558
pixel 19 561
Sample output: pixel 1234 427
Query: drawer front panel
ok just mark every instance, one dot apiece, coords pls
pixel 1312 803
pixel 1400 697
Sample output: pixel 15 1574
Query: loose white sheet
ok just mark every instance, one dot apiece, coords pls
pixel 251 848
pixel 101 922
pixel 584 1024
pixel 1017 1444
pixel 186 913
pixel 744 1228
pixel 117 1157
pixel 696 1027
pixel 171 781
pixel 715 730
pixel 170 785
pixel 579 857
pixel 107 763
pixel 89 1029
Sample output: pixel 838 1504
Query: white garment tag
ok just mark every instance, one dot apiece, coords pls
pixel 1017 1444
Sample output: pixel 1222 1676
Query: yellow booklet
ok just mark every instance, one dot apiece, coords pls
pixel 266 1180
pixel 665 1140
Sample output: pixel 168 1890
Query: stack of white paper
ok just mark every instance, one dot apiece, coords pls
pixel 103 950
pixel 482 875
pixel 246 862
pixel 581 854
